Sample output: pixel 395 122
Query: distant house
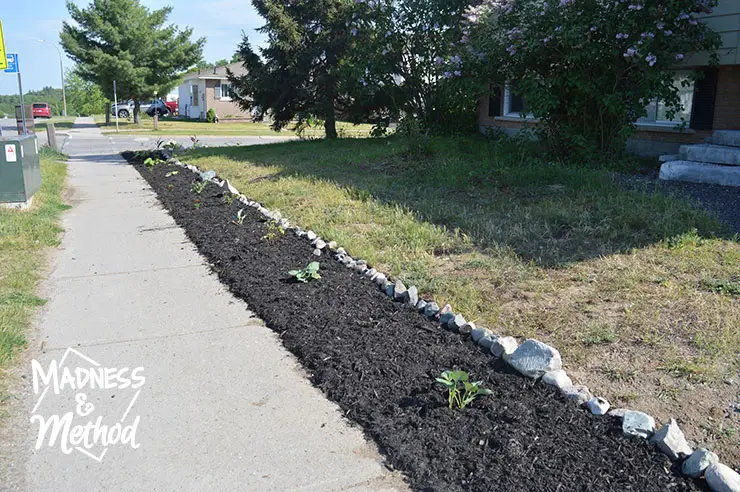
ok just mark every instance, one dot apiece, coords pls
pixel 209 88
pixel 712 103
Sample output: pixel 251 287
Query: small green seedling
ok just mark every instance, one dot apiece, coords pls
pixel 197 203
pixel 274 231
pixel 228 198
pixel 170 186
pixel 461 392
pixel 171 173
pixel 240 216
pixel 198 186
pixel 151 162
pixel 311 272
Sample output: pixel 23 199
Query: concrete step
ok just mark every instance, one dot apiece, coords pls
pixel 717 154
pixel 700 172
pixel 669 157
pixel 726 137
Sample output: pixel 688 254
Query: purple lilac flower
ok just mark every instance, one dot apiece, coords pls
pixel 630 52
pixel 593 28
pixel 679 56
pixel 353 31
pixel 547 39
pixel 651 59
pixel 455 59
pixel 511 50
pixel 667 32
pixel 465 39
pixel 438 60
pixel 559 28
pixel 647 35
pixel 660 26
pixel 693 22
pixel 635 6
pixel 447 75
pixel 457 73
pixel 385 51
pixel 622 35
pixel 566 3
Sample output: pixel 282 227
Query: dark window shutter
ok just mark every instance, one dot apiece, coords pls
pixel 494 102
pixel 702 106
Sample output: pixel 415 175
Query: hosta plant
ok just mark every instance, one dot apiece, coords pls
pixel 311 272
pixel 460 391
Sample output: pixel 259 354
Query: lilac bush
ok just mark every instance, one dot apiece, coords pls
pixel 405 62
pixel 587 68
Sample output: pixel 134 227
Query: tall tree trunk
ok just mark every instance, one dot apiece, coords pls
pixel 330 126
pixel 137 112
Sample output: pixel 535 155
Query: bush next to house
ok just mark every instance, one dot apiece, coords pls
pixel 587 68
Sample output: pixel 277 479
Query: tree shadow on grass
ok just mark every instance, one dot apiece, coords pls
pixel 500 194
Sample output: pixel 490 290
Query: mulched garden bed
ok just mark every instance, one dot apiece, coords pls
pixel 378 359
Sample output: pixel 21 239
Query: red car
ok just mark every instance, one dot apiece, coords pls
pixel 41 110
pixel 172 105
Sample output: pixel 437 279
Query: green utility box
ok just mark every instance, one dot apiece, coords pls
pixel 20 169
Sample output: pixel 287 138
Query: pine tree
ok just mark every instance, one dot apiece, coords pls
pixel 122 40
pixel 300 72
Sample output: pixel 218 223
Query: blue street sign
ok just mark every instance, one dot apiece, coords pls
pixel 12 63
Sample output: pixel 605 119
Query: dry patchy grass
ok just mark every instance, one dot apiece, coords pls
pixel 636 289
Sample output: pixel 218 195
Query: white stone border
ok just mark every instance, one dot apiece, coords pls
pixel 532 358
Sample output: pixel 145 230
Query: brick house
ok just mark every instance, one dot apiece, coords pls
pixel 201 90
pixel 712 103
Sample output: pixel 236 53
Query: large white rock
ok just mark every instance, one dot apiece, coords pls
pixel 722 478
pixel 700 460
pixel 671 441
pixel 479 333
pixel 503 346
pixel 534 358
pixel 637 424
pixel 557 378
pixel 578 394
pixel 598 405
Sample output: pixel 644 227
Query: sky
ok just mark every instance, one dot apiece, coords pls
pixel 221 22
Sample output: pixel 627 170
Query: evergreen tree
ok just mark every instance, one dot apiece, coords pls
pixel 124 41
pixel 299 74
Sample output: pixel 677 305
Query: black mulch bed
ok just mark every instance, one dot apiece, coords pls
pixel 378 359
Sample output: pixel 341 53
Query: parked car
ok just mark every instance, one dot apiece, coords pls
pixel 126 109
pixel 41 110
pixel 160 106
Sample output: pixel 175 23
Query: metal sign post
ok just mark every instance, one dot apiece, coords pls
pixel 115 104
pixel 14 67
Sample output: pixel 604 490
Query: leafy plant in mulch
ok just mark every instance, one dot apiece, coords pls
pixel 240 216
pixel 305 275
pixel 198 186
pixel 460 391
pixel 197 203
pixel 227 199
pixel 150 162
pixel 171 173
pixel 274 231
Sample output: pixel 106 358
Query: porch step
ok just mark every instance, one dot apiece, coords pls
pixel 669 157
pixel 718 154
pixel 726 137
pixel 700 172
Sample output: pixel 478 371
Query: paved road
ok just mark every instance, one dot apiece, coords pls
pixel 223 406
pixel 117 143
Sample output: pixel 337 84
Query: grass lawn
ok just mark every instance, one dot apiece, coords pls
pixel 170 126
pixel 24 239
pixel 622 282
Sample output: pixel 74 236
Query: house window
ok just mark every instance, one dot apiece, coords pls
pixel 657 113
pixel 194 94
pixel 514 104
pixel 494 102
pixel 224 92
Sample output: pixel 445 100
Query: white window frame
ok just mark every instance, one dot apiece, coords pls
pixel 221 91
pixel 645 122
pixel 507 107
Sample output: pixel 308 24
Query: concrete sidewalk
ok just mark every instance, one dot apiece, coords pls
pixel 224 406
